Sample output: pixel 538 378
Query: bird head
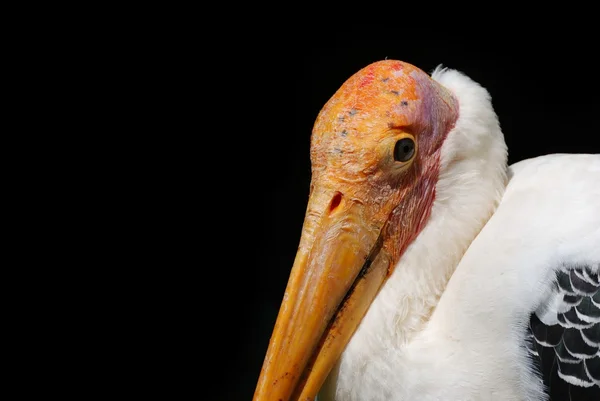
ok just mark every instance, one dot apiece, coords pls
pixel 376 158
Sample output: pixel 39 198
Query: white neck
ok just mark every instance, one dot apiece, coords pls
pixel 467 193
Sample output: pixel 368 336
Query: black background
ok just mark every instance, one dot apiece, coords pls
pixel 544 90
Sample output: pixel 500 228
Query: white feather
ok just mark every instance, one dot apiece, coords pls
pixel 574 380
pixel 449 323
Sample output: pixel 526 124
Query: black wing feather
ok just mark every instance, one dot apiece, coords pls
pixel 567 354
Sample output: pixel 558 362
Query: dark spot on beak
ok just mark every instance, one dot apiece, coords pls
pixel 344 133
pixel 396 93
pixel 342 118
pixel 335 201
pixel 385 79
pixel 353 112
pixel 404 103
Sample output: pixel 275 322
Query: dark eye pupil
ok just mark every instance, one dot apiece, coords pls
pixel 404 150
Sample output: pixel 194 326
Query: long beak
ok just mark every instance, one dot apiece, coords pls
pixel 338 270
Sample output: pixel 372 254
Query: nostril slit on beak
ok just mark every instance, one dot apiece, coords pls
pixel 335 202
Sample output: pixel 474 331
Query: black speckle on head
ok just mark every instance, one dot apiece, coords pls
pixel 404 103
pixel 342 118
pixel 353 112
pixel 338 150
pixel 344 133
pixel 385 79
pixel 396 93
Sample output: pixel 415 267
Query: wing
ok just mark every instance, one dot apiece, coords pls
pixel 562 227
pixel 564 335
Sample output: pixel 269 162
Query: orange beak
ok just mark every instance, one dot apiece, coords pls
pixel 338 270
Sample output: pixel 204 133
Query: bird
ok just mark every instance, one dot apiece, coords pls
pixel 428 268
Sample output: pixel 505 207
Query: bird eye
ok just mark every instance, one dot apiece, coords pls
pixel 404 150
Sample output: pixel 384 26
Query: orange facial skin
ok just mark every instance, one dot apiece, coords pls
pixel 365 208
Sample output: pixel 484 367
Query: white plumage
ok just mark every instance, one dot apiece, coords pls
pixel 451 321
